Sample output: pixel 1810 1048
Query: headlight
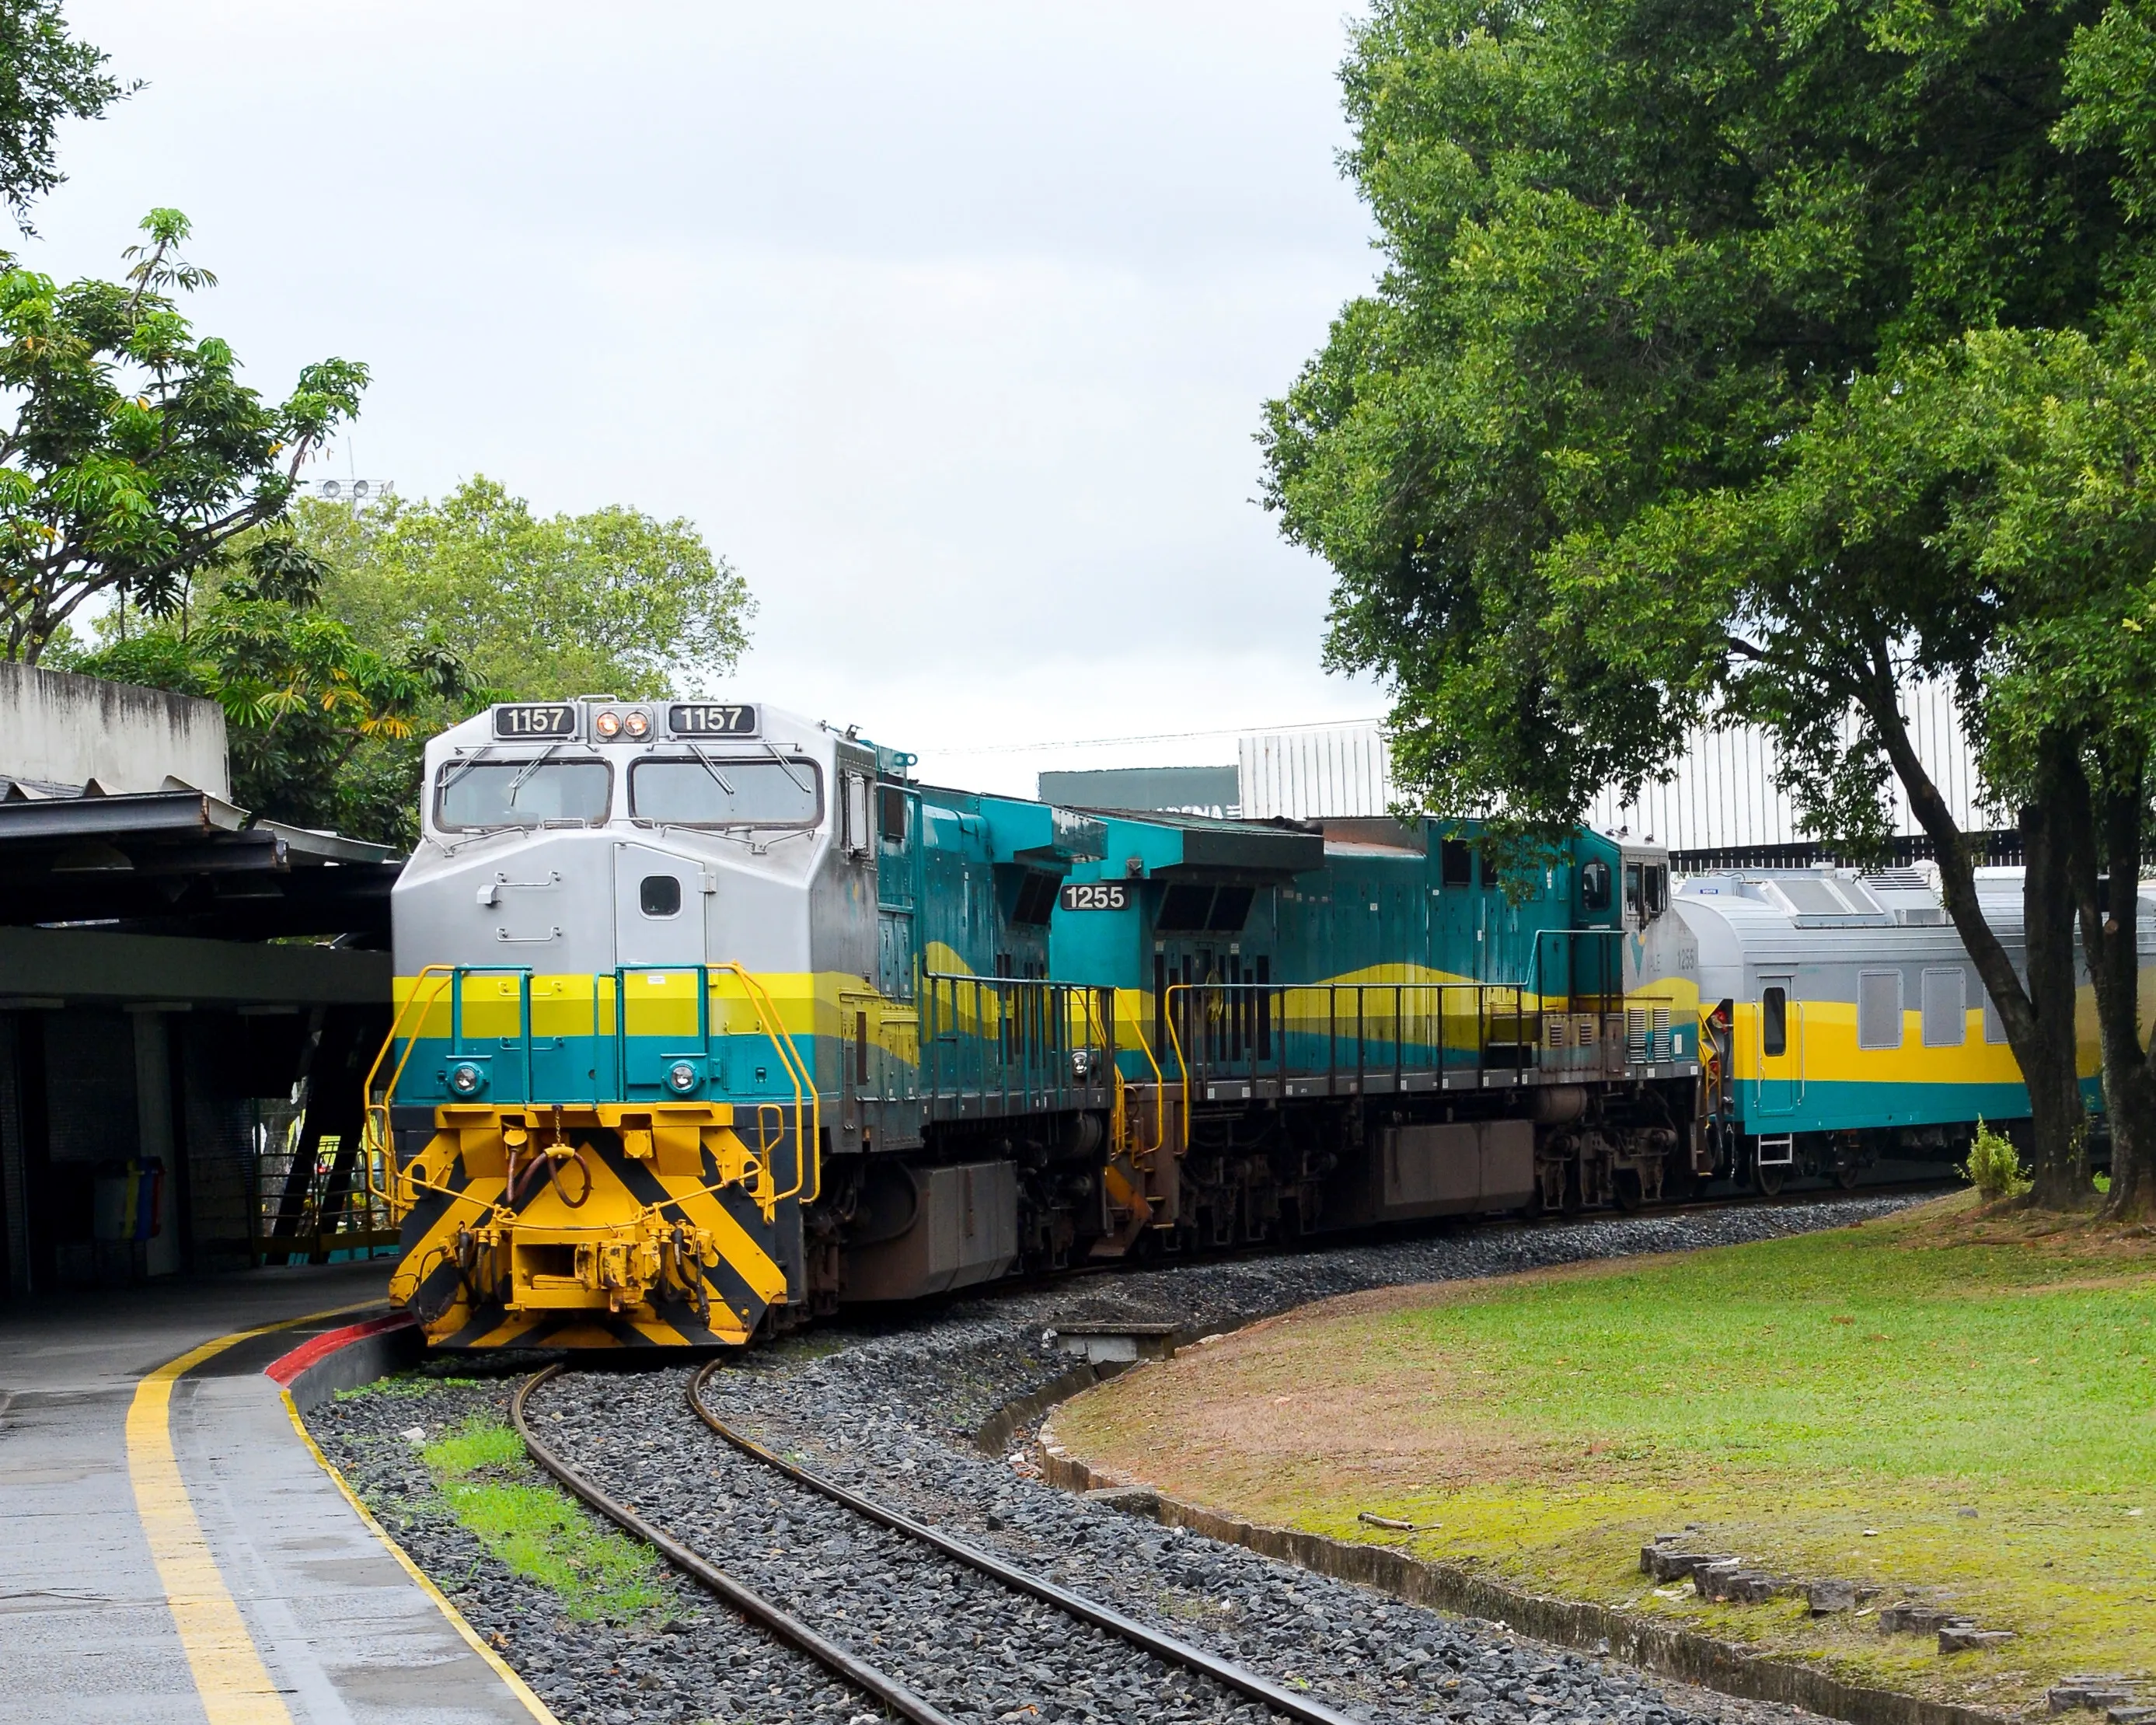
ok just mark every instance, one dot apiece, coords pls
pixel 1081 1064
pixel 636 724
pixel 466 1079
pixel 681 1077
pixel 607 724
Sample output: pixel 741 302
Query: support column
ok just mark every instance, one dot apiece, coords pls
pixel 154 1135
pixel 14 1183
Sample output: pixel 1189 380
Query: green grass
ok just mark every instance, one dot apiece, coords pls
pixel 1826 1354
pixel 1827 1405
pixel 404 1386
pixel 540 1532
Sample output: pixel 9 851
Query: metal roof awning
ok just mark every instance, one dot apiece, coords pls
pixel 182 861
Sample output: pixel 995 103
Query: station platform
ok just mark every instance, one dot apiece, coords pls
pixel 172 1546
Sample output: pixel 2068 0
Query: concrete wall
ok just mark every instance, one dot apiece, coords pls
pixel 64 729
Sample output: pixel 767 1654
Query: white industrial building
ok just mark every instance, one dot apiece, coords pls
pixel 1723 795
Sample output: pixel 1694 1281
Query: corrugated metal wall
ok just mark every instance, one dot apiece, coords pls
pixel 1332 770
pixel 1723 795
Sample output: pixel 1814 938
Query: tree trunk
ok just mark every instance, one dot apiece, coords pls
pixel 2050 834
pixel 2111 939
pixel 2039 1017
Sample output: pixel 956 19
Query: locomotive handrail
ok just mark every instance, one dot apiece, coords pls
pixel 523 974
pixel 373 1137
pixel 1160 1113
pixel 622 973
pixel 1042 1033
pixel 1245 1029
pixel 808 1148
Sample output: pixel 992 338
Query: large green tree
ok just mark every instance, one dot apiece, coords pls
pixel 1645 420
pixel 46 76
pixel 132 456
pixel 325 731
pixel 612 602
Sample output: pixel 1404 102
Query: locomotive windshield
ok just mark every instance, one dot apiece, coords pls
pixel 706 791
pixel 522 793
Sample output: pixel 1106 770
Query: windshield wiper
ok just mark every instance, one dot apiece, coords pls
pixel 530 767
pixel 785 768
pixel 711 768
pixel 466 765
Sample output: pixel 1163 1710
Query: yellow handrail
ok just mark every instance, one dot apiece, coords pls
pixel 373 1137
pixel 797 1071
pixel 1182 1065
pixel 1159 1084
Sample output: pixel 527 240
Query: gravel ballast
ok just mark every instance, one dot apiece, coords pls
pixel 889 1411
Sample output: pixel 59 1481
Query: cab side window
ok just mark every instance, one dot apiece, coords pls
pixel 1594 886
pixel 890 815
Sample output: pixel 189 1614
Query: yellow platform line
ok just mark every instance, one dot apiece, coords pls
pixel 532 1705
pixel 235 1687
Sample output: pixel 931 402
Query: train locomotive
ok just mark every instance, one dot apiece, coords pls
pixel 710 1018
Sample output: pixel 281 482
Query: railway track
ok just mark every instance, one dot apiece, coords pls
pixel 1092 1630
pixel 887 1411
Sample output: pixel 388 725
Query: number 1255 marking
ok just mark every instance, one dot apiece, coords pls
pixel 1096 896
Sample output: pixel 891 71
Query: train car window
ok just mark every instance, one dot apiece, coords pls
pixel 1878 1009
pixel 1231 909
pixel 1657 889
pixel 890 814
pixel 706 791
pixel 1594 886
pixel 1455 863
pixel 1946 1007
pixel 1634 888
pixel 521 793
pixel 660 894
pixel 1774 1023
pixel 1995 1026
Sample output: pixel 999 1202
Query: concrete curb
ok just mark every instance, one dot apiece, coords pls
pixel 1683 1654
pixel 994 1435
pixel 347 1358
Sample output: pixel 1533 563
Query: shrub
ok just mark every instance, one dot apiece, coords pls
pixel 1994 1166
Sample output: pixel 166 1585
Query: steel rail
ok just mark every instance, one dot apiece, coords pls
pixel 751 1605
pixel 1165 1648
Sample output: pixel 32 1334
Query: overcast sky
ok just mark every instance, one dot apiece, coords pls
pixel 949 325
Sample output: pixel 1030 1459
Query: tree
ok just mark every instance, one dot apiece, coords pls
pixel 45 76
pixel 2068 518
pixel 1641 425
pixel 324 732
pixel 135 457
pixel 612 602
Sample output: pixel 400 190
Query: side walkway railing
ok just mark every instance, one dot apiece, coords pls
pixel 992 1046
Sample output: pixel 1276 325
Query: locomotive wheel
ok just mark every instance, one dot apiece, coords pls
pixel 1770 1178
pixel 1846 1176
pixel 1626 1186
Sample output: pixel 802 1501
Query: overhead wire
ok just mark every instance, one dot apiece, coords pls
pixel 1089 742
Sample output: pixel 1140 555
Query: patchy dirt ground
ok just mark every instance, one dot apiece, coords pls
pixel 1949 1406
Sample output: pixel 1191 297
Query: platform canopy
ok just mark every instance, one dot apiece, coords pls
pixel 183 861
